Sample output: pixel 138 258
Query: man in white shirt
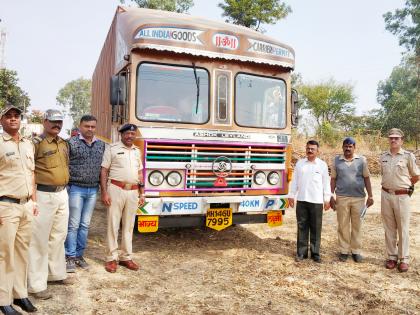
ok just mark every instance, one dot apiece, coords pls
pixel 311 187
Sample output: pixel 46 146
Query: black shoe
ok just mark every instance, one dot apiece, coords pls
pixel 343 257
pixel 300 257
pixel 9 310
pixel 25 304
pixel 316 258
pixel 357 258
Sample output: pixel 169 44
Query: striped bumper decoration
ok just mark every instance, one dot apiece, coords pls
pixel 196 159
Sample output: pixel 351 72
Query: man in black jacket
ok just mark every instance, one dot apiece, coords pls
pixel 85 154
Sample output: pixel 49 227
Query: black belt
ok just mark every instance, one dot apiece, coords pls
pixel 14 200
pixel 49 188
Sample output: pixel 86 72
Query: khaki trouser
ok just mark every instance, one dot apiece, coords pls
pixel 15 235
pixel 47 260
pixel 123 209
pixel 349 224
pixel 395 210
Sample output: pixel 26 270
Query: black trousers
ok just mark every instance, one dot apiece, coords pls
pixel 309 224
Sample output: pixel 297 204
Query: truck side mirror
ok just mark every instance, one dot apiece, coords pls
pixel 294 108
pixel 118 90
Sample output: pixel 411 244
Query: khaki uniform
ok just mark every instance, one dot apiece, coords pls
pixel 348 214
pixel 395 209
pixel 16 181
pixel 51 161
pixel 124 165
pixel 49 231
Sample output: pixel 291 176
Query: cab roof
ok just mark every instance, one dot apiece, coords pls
pixel 137 28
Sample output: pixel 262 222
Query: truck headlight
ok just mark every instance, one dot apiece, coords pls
pixel 273 178
pixel 174 178
pixel 259 178
pixel 156 178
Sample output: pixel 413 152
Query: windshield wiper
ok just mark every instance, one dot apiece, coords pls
pixel 197 82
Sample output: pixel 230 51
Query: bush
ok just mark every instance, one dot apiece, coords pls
pixel 329 135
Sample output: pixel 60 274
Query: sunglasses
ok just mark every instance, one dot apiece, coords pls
pixel 394 138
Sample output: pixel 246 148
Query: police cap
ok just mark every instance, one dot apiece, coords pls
pixel 349 140
pixel 128 127
pixel 395 132
pixel 9 107
pixel 53 115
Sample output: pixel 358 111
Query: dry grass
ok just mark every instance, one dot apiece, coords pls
pixel 247 269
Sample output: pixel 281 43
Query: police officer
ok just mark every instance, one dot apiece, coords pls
pixel 46 251
pixel 122 192
pixel 16 212
pixel 399 174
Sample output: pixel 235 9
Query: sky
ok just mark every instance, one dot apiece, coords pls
pixel 52 42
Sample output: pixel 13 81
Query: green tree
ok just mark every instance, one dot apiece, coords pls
pixel 329 102
pixel 36 117
pixel 398 96
pixel 366 124
pixel 180 6
pixel 296 79
pixel 405 23
pixel 10 92
pixel 75 98
pixel 253 13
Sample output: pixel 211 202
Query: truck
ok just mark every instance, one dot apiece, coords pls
pixel 214 108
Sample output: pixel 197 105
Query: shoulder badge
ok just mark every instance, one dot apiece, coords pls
pixel 410 155
pixel 37 139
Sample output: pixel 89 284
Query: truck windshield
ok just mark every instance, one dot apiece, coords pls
pixel 173 94
pixel 260 101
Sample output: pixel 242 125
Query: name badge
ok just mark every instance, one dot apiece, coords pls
pixel 48 153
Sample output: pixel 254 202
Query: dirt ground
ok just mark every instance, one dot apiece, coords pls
pixel 248 269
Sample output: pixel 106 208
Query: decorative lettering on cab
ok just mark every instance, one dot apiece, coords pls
pixel 225 41
pixel 183 35
pixel 259 47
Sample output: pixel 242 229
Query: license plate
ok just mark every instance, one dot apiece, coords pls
pixel 274 218
pixel 147 223
pixel 219 219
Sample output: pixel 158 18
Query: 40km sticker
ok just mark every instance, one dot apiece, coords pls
pixel 219 219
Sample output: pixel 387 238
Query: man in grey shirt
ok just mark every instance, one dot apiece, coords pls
pixel 349 179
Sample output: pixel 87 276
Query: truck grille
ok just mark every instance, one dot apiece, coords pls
pixel 196 159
